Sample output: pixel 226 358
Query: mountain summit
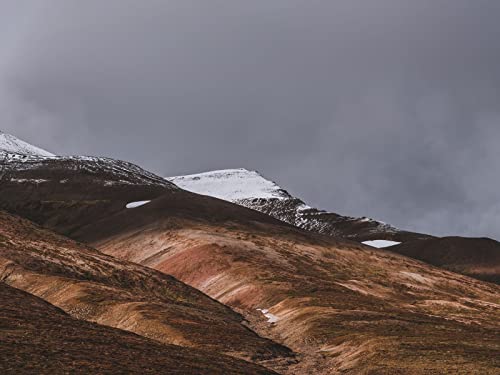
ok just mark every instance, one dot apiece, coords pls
pixel 11 144
pixel 252 190
pixel 231 185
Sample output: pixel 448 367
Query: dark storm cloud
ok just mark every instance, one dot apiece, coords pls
pixel 385 108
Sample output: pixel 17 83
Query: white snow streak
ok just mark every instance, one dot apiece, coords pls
pixel 136 204
pixel 271 318
pixel 381 243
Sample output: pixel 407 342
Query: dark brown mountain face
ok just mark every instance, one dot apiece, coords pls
pixel 95 287
pixel 66 192
pixel 38 338
pixel 475 257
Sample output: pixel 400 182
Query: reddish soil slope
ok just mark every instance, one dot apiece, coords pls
pixel 95 287
pixel 343 306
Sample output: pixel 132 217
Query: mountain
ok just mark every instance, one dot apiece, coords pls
pixel 340 306
pixel 250 189
pixel 91 286
pixel 478 258
pixel 12 144
pixel 56 188
pixel 28 164
pixel 38 338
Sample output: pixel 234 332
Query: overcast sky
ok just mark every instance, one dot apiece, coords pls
pixel 386 108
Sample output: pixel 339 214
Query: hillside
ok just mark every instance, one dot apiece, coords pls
pixel 475 257
pixel 98 288
pixel 37 337
pixel 478 258
pixel 341 306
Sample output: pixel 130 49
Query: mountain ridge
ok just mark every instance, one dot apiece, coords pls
pixel 250 189
pixel 477 258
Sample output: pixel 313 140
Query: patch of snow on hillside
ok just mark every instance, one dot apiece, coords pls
pixel 271 318
pixel 230 185
pixel 9 143
pixel 365 220
pixel 136 204
pixel 304 207
pixel 381 243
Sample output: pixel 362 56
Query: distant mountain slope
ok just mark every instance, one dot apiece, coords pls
pixel 66 191
pixel 38 338
pixel 11 144
pixel 62 169
pixel 476 257
pixel 250 189
pixel 25 163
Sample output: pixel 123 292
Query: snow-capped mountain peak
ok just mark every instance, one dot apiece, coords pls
pixel 250 189
pixel 11 144
pixel 231 185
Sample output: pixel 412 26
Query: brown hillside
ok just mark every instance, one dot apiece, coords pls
pixel 96 287
pixel 343 306
pixel 38 338
pixel 475 257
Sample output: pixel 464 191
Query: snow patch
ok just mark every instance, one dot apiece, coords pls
pixel 366 220
pixel 136 204
pixel 304 207
pixel 379 244
pixel 271 318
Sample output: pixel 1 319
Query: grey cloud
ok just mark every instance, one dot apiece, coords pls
pixel 388 109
